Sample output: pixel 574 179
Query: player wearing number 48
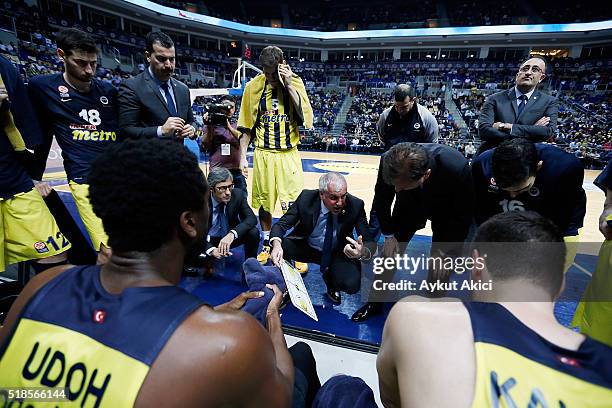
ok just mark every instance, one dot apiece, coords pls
pixel 519 175
pixel 81 111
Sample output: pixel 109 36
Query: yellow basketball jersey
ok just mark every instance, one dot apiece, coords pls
pixel 277 124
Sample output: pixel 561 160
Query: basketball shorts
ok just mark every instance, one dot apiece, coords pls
pixel 277 174
pixel 29 231
pixel 93 224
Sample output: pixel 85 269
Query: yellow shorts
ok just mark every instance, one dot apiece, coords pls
pixel 276 174
pixel 29 231
pixel 93 224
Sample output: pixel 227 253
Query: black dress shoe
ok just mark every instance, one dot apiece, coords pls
pixel 190 271
pixel 286 300
pixel 366 311
pixel 334 296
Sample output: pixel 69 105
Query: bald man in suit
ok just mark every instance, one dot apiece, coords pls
pixel 522 111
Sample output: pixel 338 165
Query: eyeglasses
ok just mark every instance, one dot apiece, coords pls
pixel 223 188
pixel 535 69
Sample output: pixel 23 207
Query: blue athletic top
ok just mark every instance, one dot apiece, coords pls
pixel 16 125
pixel 83 123
pixel 557 193
pixel 75 334
pixel 516 367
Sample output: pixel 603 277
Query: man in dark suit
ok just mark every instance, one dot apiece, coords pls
pixel 521 111
pixel 323 221
pixel 153 104
pixel 428 181
pixel 232 221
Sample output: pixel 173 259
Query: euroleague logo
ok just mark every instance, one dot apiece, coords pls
pixel 99 316
pixel 63 92
pixel 41 247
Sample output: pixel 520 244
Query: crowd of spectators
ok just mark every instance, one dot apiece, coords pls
pixel 325 106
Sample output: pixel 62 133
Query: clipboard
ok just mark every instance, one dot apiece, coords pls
pixel 297 290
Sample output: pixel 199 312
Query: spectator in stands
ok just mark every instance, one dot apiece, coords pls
pixel 406 120
pixel 504 348
pixel 521 111
pixel 223 143
pixel 153 104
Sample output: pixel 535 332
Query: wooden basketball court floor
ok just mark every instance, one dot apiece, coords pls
pixel 360 171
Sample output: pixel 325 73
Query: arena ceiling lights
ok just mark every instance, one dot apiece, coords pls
pixel 361 36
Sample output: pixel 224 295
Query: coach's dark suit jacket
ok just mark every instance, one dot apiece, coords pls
pixel 502 107
pixel 240 218
pixel 142 108
pixel 304 213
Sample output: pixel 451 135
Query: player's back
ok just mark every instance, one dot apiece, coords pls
pixel 449 353
pixel 74 334
pixel 516 366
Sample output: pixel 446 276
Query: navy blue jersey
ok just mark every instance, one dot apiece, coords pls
pixel 83 123
pixel 16 117
pixel 557 193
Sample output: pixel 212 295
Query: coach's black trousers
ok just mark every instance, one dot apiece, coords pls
pixel 343 274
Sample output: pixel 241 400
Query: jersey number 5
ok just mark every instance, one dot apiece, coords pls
pixel 92 116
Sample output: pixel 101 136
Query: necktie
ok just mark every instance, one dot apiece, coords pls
pixel 221 227
pixel 328 242
pixel 169 100
pixel 521 105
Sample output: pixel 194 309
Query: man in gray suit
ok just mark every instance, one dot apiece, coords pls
pixel 153 104
pixel 521 111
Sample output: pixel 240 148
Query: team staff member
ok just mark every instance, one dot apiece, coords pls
pixel 274 104
pixel 519 175
pixel 179 352
pixel 496 351
pixel 428 181
pixel 522 111
pixel 406 120
pixel 28 231
pixel 232 222
pixel 153 104
pixel 323 221
pixel 81 111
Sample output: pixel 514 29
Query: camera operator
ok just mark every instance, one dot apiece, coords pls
pixel 222 141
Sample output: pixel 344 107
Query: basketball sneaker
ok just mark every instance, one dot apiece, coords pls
pixel 264 255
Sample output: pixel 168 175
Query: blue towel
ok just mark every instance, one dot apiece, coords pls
pixel 257 277
pixel 344 391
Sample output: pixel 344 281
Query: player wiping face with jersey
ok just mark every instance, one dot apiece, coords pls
pixel 81 111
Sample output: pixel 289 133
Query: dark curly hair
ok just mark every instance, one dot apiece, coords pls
pixel 139 188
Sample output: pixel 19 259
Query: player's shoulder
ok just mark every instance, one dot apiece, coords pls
pixel 561 159
pixel 48 80
pixel 440 314
pixel 104 87
pixel 238 331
